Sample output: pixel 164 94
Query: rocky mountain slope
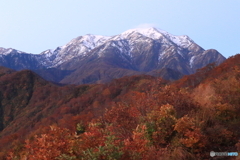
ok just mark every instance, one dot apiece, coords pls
pixel 93 58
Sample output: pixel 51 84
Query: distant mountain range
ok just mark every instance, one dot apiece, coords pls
pixel 98 59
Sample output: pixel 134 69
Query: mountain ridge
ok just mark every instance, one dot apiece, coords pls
pixel 135 50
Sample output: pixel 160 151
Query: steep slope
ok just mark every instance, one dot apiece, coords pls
pixel 16 91
pixel 212 71
pixel 138 117
pixel 135 51
pixel 208 56
pixel 29 103
pixel 18 60
pixel 145 50
pixel 78 47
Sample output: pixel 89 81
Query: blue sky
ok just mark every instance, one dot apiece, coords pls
pixel 34 26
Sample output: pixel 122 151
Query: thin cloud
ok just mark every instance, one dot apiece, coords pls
pixel 146 25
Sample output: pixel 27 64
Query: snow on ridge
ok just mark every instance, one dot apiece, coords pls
pixel 147 32
pixel 92 41
pixel 6 51
pixel 86 42
pixel 125 41
pixel 76 47
pixel 134 35
pixel 155 33
pixel 182 41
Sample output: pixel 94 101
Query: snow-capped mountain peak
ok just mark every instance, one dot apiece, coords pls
pixel 90 56
pixel 89 41
pixel 147 32
pixel 129 44
pixel 79 46
pixel 6 51
pixel 156 34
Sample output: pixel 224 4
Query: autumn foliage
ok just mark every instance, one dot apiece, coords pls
pixel 137 117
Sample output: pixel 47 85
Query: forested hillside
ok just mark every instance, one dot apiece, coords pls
pixel 138 117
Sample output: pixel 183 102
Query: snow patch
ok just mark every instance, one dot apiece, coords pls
pixel 8 51
pixel 4 51
pixel 180 53
pixel 191 61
